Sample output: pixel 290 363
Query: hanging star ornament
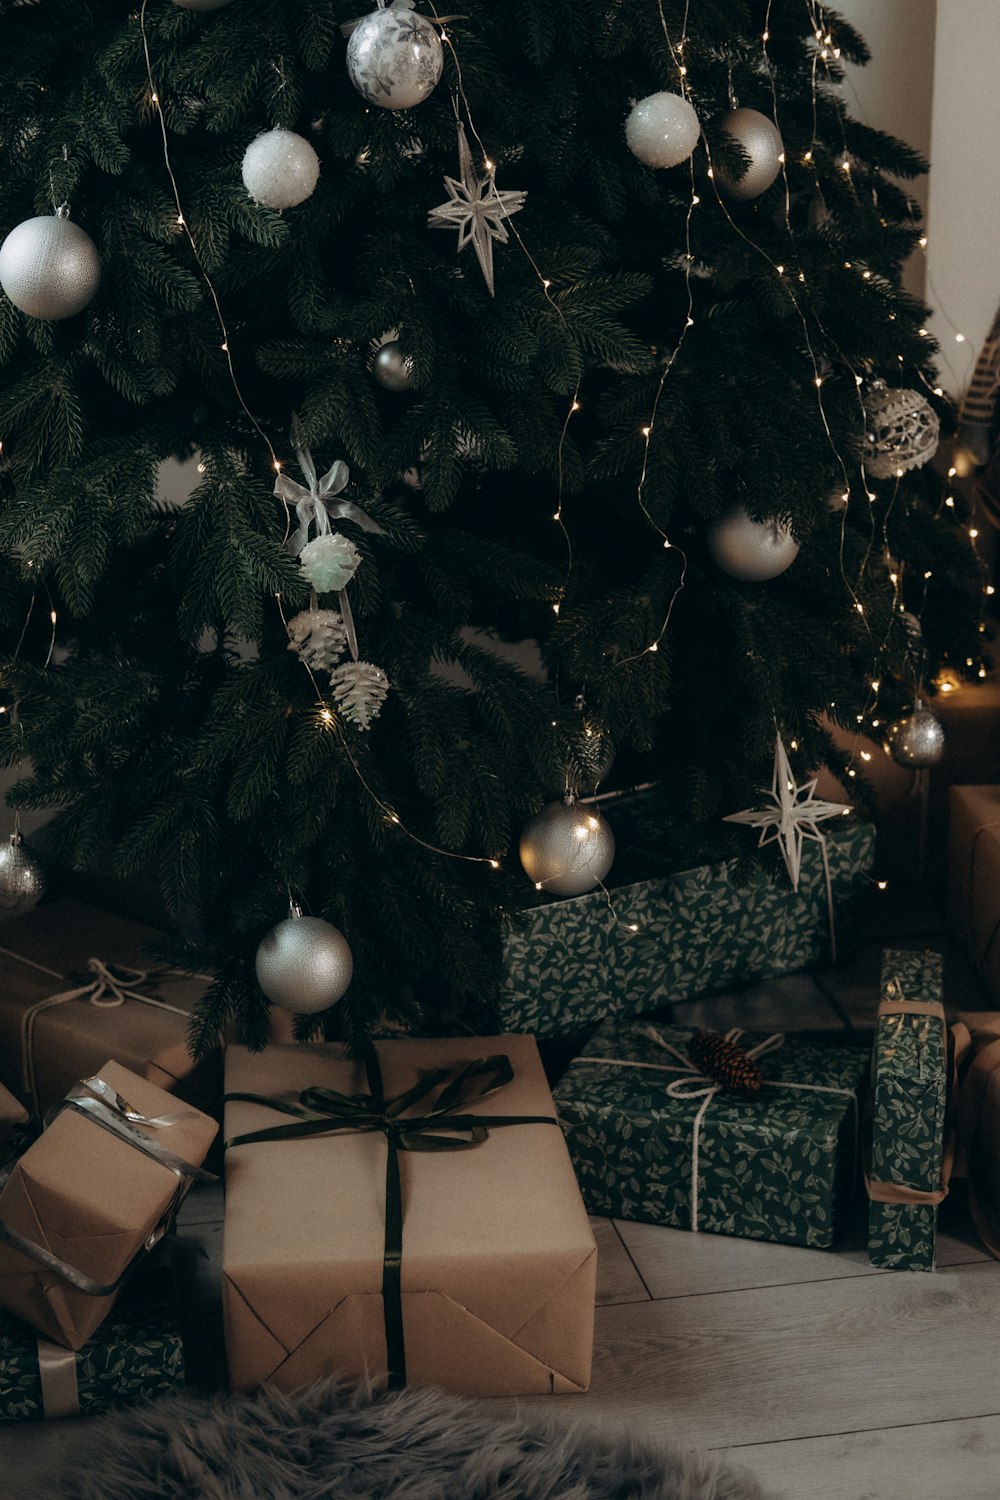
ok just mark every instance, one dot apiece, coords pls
pixel 477 208
pixel 794 816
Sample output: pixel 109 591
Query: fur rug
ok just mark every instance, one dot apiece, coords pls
pixel 333 1443
pixel 328 1443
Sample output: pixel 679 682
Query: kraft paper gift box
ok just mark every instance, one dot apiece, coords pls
pixel 906 1173
pixel 977 1118
pixel 12 1114
pixel 136 1355
pixel 974 878
pixel 49 1041
pixel 498 1261
pixel 653 1140
pixel 91 1193
pixel 570 964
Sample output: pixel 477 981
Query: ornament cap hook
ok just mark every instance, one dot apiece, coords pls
pixel 294 909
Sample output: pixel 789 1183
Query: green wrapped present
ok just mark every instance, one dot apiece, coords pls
pixel 569 964
pixel 906 1173
pixel 654 1140
pixel 135 1355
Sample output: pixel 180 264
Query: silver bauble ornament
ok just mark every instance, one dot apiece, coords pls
pixel 751 550
pixel 22 880
pixel 392 369
pixel 304 964
pixel 394 57
pixel 662 130
pixel 201 4
pixel 49 267
pixel 567 848
pixel 280 169
pixel 901 431
pixel 761 141
pixel 916 741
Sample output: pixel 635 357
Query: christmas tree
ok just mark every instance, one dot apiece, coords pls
pixel 549 393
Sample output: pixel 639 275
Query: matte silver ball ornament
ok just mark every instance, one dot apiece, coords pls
pixel 392 368
pixel 280 169
pixel 762 142
pixel 22 879
pixel 662 130
pixel 394 57
pixel 567 848
pixel 304 964
pixel 916 741
pixel 50 267
pixel 751 550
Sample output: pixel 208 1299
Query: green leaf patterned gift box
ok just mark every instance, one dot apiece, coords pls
pixel 135 1355
pixel 652 1140
pixel 907 1112
pixel 569 964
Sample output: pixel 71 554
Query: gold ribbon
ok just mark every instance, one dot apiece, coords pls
pixel 57 1373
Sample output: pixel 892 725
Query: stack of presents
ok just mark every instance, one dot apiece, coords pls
pixel 423 1210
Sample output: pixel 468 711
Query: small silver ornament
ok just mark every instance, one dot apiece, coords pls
pixel 662 130
pixel 916 741
pixel 761 141
pixel 567 848
pixel 392 368
pixel 22 880
pixel 50 267
pixel 751 550
pixel 901 431
pixel 304 964
pixel 280 169
pixel 394 57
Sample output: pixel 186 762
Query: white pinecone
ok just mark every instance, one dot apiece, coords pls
pixel 319 637
pixel 359 689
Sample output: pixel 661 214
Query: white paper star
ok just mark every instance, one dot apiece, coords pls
pixel 794 816
pixel 476 208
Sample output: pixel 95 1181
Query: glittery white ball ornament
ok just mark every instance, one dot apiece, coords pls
pixel 917 740
pixel 567 848
pixel 330 562
pixel 751 550
pixel 761 141
pixel 392 369
pixel 280 169
pixel 201 4
pixel 662 130
pixel 394 57
pixel 304 964
pixel 50 267
pixel 22 880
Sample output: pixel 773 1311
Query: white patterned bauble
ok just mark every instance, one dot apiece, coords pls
pixel 22 879
pixel 662 130
pixel 917 740
pixel 304 964
pixel 750 550
pixel 394 57
pixel 761 141
pixel 330 562
pixel 567 848
pixel 280 169
pixel 901 431
pixel 50 267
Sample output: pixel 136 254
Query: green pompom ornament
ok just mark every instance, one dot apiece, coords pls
pixel 330 562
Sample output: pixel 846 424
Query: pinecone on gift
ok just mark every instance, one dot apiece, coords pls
pixel 725 1062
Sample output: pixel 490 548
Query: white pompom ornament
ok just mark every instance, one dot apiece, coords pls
pixel 394 57
pixel 49 267
pixel 304 964
pixel 280 169
pixel 662 130
pixel 567 848
pixel 762 142
pixel 751 550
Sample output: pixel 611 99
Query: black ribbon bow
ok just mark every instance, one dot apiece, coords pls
pixel 323 1111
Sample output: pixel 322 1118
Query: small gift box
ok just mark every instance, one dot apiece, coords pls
pixel 655 1140
pixel 135 1355
pixel 907 1171
pixel 363 1235
pixel 100 1185
pixel 76 989
pixel 974 877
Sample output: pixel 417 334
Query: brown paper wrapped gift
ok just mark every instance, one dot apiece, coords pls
pixel 977 1048
pixel 974 878
pixel 89 1198
pixel 498 1260
pixel 47 1044
pixel 11 1114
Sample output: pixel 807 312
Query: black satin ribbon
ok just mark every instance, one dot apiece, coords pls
pixel 322 1111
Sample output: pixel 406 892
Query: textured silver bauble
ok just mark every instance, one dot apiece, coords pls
pixel 751 550
pixel 916 741
pixel 394 57
pixel 901 431
pixel 22 880
pixel 567 848
pixel 662 130
pixel 304 964
pixel 49 267
pixel 392 368
pixel 280 169
pixel 761 141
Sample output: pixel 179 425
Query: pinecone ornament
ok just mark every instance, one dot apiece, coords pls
pixel 359 689
pixel 725 1062
pixel 319 636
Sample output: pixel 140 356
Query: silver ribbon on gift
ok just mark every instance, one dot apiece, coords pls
pixel 57 1373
